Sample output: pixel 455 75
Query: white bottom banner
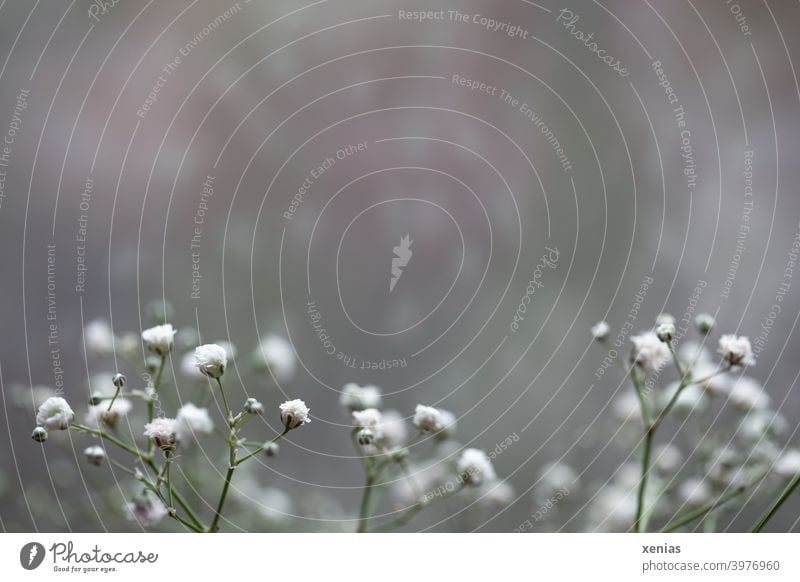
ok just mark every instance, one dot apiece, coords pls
pixel 616 557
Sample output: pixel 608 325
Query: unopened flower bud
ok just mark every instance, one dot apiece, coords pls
pixel 704 323
pixel 365 437
pixel 271 449
pixel 39 434
pixel 152 363
pixel 600 331
pixel 664 318
pixel 253 406
pixel 95 455
pixel 95 399
pixel 118 380
pixel 665 332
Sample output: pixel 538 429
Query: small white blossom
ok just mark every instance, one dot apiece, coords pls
pixel 475 467
pixel 95 455
pixel 276 355
pixel 355 397
pixel 693 353
pixel 392 429
pixel 736 350
pixel 747 394
pixel 369 418
pixel 553 477
pixel 159 339
pixel 704 323
pixel 294 413
pixel 694 492
pixel 663 318
pixel 665 332
pixel 99 415
pixel 98 337
pixel 190 369
pixel 211 360
pixel 162 431
pixel 667 458
pixel 708 375
pixel 449 423
pixel 691 399
pixel 788 465
pixel 600 331
pixel 55 414
pixel 147 509
pixel 649 352
pixel 428 419
pixel 496 494
pixel 192 422
pixel 762 424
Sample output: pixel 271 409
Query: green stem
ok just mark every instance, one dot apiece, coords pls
pixel 363 515
pixel 409 513
pixel 641 523
pixel 218 513
pixel 113 399
pixel 112 439
pixel 261 447
pixel 179 498
pixel 228 417
pixel 704 510
pixel 787 492
pixel 151 403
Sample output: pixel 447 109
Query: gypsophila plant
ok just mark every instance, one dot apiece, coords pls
pixel 154 444
pixel 726 463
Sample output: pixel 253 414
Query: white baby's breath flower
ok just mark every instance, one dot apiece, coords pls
pixel 95 455
pixel 355 397
pixel 428 418
pixel 369 418
pixel 788 465
pixel 192 422
pixel 665 332
pixel 294 413
pixel 694 492
pixel 146 509
pixel 736 350
pixel 663 318
pixel 704 323
pixel 762 424
pixel 553 477
pixel 211 360
pixel 613 509
pixel 691 399
pixel 449 424
pixel 100 416
pixel 55 414
pixel 667 458
pixel 707 374
pixel 496 494
pixel 190 369
pixel 475 467
pixel 649 352
pixel 692 353
pixel 747 394
pixel 98 337
pixel 392 429
pixel 600 331
pixel 159 339
pixel 162 431
pixel 276 355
